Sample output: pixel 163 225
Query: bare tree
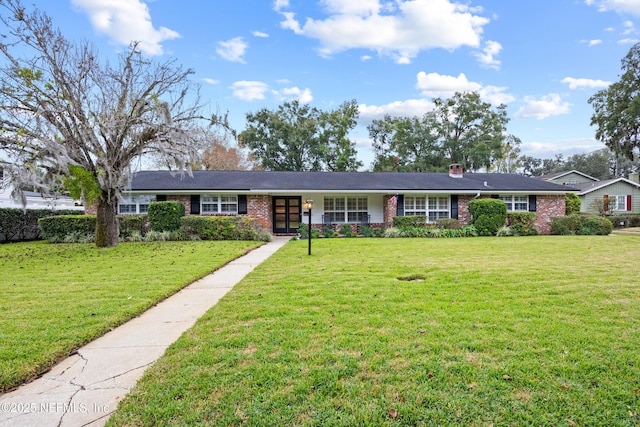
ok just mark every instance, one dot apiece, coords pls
pixel 63 109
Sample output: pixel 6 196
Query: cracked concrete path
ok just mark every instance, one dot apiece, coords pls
pixel 85 388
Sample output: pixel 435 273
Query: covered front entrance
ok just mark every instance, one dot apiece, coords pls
pixel 287 214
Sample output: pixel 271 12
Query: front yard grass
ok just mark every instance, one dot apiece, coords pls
pixel 371 332
pixel 55 298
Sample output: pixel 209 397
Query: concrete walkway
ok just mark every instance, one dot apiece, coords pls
pixel 85 388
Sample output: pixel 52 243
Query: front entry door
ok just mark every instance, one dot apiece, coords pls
pixel 287 214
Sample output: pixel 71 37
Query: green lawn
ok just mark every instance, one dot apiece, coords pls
pixel 480 331
pixel 55 298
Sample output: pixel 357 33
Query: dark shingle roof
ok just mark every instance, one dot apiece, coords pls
pixel 258 181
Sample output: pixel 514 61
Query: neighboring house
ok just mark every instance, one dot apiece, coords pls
pixel 568 178
pixel 620 194
pixel 34 200
pixel 356 198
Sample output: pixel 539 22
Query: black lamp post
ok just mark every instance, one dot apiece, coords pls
pixel 308 204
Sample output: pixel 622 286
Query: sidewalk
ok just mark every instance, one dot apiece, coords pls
pixel 85 388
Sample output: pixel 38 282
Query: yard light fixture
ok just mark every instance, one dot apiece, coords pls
pixel 308 204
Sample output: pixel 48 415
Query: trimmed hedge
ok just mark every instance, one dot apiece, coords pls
pixel 165 216
pixel 581 224
pixel 625 220
pixel 18 224
pixel 522 223
pixel 410 221
pixel 224 228
pixel 58 227
pixel 488 215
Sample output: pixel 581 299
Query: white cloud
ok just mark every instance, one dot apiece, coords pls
pixel 210 81
pixel 249 90
pixel 591 43
pixel 280 4
pixel 546 106
pixel 439 85
pixel 397 30
pixel 232 50
pixel 488 55
pixel 629 28
pixel 585 83
pixel 126 21
pixel 260 34
pixel 628 41
pixel 631 7
pixel 566 147
pixel 302 95
pixel 443 86
pixel 407 108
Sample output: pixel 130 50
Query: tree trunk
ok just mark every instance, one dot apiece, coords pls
pixel 107 227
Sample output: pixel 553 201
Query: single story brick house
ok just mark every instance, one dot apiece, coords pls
pixel 622 195
pixel 355 198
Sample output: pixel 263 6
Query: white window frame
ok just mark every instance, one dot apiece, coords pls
pixel 620 202
pixel 218 204
pixel 433 207
pixel 438 207
pixel 415 205
pixel 347 209
pixel 516 202
pixel 134 205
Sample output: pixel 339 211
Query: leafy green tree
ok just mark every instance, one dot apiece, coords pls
pixel 598 164
pixel 406 144
pixel 61 106
pixel 298 137
pixel 511 160
pixel 617 109
pixel 461 129
pixel 472 131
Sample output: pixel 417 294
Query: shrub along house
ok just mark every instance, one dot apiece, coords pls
pixel 355 198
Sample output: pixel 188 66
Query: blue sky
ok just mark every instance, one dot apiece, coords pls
pixel 543 58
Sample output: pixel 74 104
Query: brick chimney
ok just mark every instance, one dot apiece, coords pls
pixel 455 170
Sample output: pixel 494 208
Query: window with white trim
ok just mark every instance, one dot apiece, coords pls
pixel 516 203
pixel 216 203
pixel 415 205
pixel 438 208
pixel 618 203
pixel 130 205
pixel 345 209
pixel 433 207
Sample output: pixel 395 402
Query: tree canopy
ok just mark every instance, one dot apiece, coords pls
pixel 298 137
pixel 64 110
pixel 462 129
pixel 617 109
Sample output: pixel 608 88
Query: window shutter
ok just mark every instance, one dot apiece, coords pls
pixel 533 203
pixel 399 204
pixel 161 197
pixel 629 202
pixel 242 204
pixel 195 204
pixel 454 206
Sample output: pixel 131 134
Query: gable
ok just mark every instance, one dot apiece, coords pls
pixel 569 178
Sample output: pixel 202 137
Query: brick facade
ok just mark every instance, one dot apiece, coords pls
pixel 546 208
pixel 185 200
pixel 260 207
